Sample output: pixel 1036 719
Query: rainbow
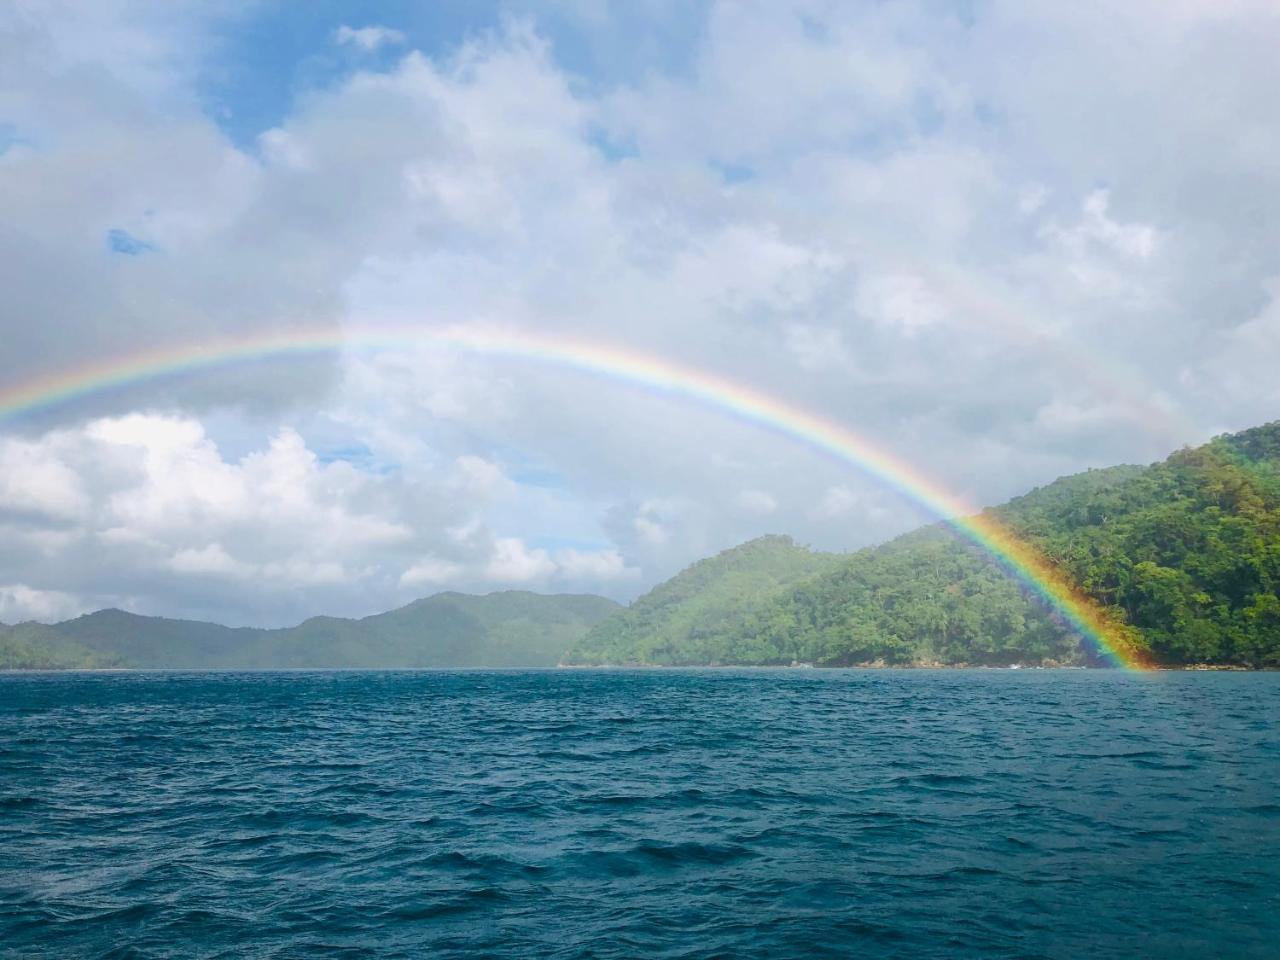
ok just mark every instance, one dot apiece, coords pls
pixel 1113 639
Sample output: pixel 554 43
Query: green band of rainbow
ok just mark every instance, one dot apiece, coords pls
pixel 1018 557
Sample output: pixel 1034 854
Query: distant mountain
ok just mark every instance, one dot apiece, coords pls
pixel 1186 551
pixel 685 619
pixel 511 629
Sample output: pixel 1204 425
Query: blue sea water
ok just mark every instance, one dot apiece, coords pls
pixel 640 814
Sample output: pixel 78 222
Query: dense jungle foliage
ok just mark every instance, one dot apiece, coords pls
pixel 1187 552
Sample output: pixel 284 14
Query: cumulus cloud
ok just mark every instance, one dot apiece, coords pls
pixel 18 603
pixel 140 509
pixel 514 562
pixel 1099 252
pixel 33 480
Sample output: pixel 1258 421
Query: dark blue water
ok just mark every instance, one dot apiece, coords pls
pixel 584 814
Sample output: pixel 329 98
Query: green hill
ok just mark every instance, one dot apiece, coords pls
pixel 512 629
pixel 37 646
pixel 1186 551
pixel 684 620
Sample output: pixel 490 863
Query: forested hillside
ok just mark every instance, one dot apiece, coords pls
pixel 37 646
pixel 688 618
pixel 511 629
pixel 1186 551
pixel 1189 550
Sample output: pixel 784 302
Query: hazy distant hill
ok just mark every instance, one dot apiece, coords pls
pixel 36 646
pixel 512 629
pixel 1187 551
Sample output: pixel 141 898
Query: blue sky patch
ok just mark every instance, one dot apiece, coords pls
pixel 125 243
pixel 539 477
pixel 732 173
pixel 271 59
pixel 612 150
pixel 359 456
pixel 8 137
pixel 267 61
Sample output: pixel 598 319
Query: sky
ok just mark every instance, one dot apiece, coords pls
pixel 1001 241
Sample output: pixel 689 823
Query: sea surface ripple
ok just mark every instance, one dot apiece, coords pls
pixel 640 814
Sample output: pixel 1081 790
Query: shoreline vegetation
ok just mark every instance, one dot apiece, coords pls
pixel 1176 668
pixel 625 667
pixel 1183 555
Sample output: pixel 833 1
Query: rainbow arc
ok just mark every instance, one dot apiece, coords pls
pixel 1021 559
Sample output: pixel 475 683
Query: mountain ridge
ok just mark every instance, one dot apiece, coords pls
pixel 450 629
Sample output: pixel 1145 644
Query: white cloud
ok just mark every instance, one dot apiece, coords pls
pixel 430 571
pixel 368 38
pixel 1136 240
pixel 599 566
pixel 284 151
pixel 513 562
pixel 657 519
pixel 18 602
pixel 211 559
pixel 159 506
pixel 33 479
pixel 1098 251
pixel 651 531
pixel 480 473
pixel 901 301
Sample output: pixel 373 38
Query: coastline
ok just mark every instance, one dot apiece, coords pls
pixel 880 665
pixel 873 665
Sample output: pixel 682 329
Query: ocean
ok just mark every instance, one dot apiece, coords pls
pixel 663 813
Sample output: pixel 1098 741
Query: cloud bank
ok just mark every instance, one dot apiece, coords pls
pixel 1003 241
